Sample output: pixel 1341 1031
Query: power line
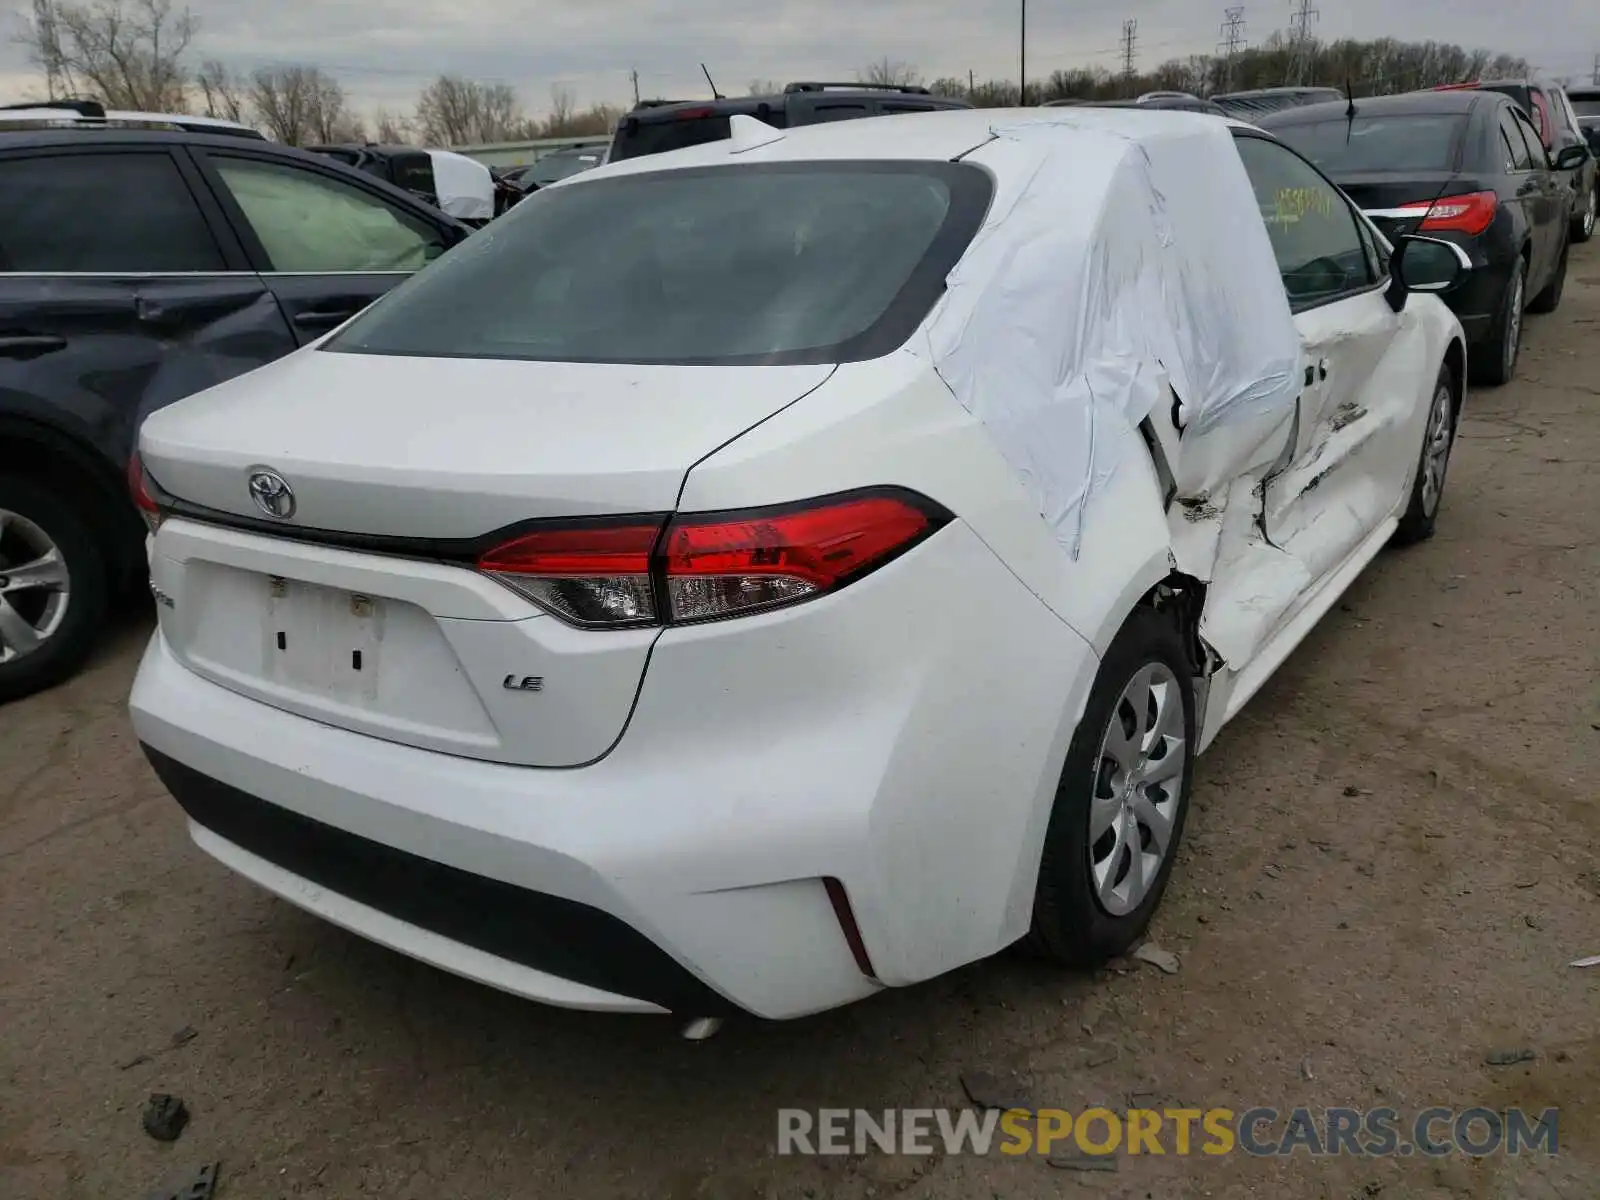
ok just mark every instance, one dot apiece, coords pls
pixel 1231 42
pixel 1130 39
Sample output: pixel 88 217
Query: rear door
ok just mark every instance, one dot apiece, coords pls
pixel 1550 203
pixel 1353 442
pixel 1529 191
pixel 325 243
pixel 121 289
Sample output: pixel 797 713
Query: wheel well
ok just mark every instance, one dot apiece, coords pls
pixel 1182 599
pixel 81 479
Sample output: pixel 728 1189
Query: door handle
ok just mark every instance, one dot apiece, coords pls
pixel 29 345
pixel 317 319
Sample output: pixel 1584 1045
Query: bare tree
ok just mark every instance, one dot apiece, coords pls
pixel 763 87
pixel 222 91
pixel 390 129
pixel 891 73
pixel 302 105
pixel 453 111
pixel 124 53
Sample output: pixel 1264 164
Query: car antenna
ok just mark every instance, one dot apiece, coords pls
pixel 715 95
pixel 1349 109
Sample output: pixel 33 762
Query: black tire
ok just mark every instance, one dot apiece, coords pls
pixel 1070 923
pixel 1548 300
pixel 1494 361
pixel 1416 525
pixel 63 652
pixel 1583 221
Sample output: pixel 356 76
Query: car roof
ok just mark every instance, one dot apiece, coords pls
pixel 70 135
pixel 653 111
pixel 1453 103
pixel 941 135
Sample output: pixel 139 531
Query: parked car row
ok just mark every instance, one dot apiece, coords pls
pixel 1468 165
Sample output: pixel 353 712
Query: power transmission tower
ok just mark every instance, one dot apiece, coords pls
pixel 1301 18
pixel 633 77
pixel 1231 43
pixel 1130 42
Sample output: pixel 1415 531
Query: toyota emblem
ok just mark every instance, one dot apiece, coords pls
pixel 272 493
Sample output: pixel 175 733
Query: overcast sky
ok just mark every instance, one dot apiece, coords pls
pixel 384 51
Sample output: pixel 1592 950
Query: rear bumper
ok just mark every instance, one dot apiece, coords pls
pixel 904 738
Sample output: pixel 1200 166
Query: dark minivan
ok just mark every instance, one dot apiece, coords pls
pixel 1464 166
pixel 655 127
pixel 137 266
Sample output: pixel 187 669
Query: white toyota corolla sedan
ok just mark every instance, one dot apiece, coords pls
pixel 749 578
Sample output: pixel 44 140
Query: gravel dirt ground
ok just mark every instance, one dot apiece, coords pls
pixel 1391 863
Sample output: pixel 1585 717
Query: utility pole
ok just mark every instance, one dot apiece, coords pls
pixel 1301 18
pixel 1130 41
pixel 1022 57
pixel 972 84
pixel 1595 77
pixel 633 77
pixel 1232 41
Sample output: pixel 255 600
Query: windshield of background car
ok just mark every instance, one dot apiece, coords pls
pixel 800 262
pixel 1403 142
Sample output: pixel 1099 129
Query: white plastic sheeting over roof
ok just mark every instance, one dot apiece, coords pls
pixel 464 186
pixel 1122 254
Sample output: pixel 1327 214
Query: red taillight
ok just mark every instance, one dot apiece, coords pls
pixel 719 565
pixel 143 498
pixel 592 574
pixel 1471 213
pixel 701 567
pixel 693 114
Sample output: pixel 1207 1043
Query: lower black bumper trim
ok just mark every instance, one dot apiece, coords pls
pixel 552 934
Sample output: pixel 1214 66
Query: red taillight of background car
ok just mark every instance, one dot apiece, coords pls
pixel 143 497
pixel 706 566
pixel 1471 213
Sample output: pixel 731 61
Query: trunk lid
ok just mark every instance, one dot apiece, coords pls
pixel 454 448
pixel 416 646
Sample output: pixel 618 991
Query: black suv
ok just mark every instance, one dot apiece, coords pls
pixel 655 126
pixel 138 266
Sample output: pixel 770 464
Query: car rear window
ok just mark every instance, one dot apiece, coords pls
pixel 777 263
pixel 638 138
pixel 1584 106
pixel 1414 142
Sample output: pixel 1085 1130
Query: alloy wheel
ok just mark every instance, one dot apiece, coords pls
pixel 1436 452
pixel 1514 323
pixel 1137 787
pixel 35 587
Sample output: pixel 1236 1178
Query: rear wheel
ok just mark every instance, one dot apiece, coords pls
pixel 1122 800
pixel 1548 300
pixel 53 589
pixel 1495 360
pixel 1583 220
pixel 1438 438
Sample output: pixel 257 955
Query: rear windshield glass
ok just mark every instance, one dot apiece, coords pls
pixel 637 138
pixel 1397 143
pixel 778 263
pixel 1585 107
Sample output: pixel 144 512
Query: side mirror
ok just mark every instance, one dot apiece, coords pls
pixel 1424 264
pixel 1571 158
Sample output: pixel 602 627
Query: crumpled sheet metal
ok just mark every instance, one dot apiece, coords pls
pixel 464 186
pixel 1119 257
